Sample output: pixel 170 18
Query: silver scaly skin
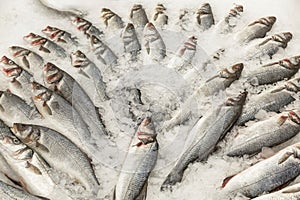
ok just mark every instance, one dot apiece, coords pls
pixel 160 19
pixel 283 127
pixel 271 101
pixel 44 45
pixel 59 152
pixel 61 37
pixel 130 41
pixel 256 29
pixel 86 27
pixel 266 175
pixel 205 18
pixel 63 84
pixel 138 16
pixel 276 71
pixel 138 164
pixel 111 20
pixel 19 79
pixel 154 43
pixel 206 133
pixel 231 20
pixel 213 85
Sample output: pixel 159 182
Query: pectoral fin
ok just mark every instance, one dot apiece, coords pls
pixel 33 168
pixel 47 109
pixel 44 49
pixel 42 147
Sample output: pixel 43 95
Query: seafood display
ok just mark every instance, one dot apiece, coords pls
pixel 142 101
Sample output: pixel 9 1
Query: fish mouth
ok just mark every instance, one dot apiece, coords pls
pixel 30 35
pixel 238 67
pixel 48 29
pixel 4 59
pixel 239 100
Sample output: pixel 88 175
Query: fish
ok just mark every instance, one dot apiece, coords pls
pixel 86 27
pixel 19 79
pixel 217 83
pixel 255 29
pixel 61 116
pixel 231 20
pixel 266 175
pixel 64 85
pixel 272 100
pixel 61 37
pixel 206 133
pixel 45 46
pixel 138 16
pixel 160 19
pixel 274 72
pixel 64 8
pixel 130 41
pixel 205 17
pixel 111 20
pixel 59 152
pixel 103 52
pixel 97 89
pixel 139 162
pixel 267 133
pixel 28 60
pixel 9 192
pixel 154 43
pixel 184 54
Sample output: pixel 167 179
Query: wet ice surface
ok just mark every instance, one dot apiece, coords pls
pixel 162 89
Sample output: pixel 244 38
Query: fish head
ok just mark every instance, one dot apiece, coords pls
pixel 293 63
pixel 35 39
pixel 270 20
pixel 79 59
pixel 238 100
pixel 293 85
pixel 232 72
pixel 10 68
pixel 52 74
pixel 129 28
pixel 288 36
pixel 193 39
pixel 106 13
pixel 51 32
pixel 238 8
pixel 81 23
pixel 146 132
pixel 17 51
pixel 150 32
pixel 160 7
pixel 27 133
pixel 39 92
pixel 205 9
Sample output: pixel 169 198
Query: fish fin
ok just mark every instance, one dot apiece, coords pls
pixel 143 193
pixel 278 89
pixel 285 156
pixel 291 190
pixel 61 40
pixel 147 47
pixel 114 194
pixel 46 108
pixel 42 147
pixel 16 83
pixel 265 41
pixel 2 108
pixel 33 168
pixel 282 119
pixel 226 180
pixel 216 76
pixel 23 184
pixel 83 73
pixel 270 64
pixel 25 62
pixel 44 49
pixel 155 16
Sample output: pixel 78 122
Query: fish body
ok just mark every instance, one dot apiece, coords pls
pixel 59 152
pixel 61 37
pixel 138 16
pixel 111 20
pixel 160 19
pixel 86 27
pixel 138 164
pixel 256 29
pixel 231 20
pixel 44 45
pixel 154 43
pixel 205 135
pixel 205 18
pixel 130 41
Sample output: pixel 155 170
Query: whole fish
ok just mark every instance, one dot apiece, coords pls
pixel 97 88
pixel 276 71
pixel 138 164
pixel 63 84
pixel 256 29
pixel 59 152
pixel 44 45
pixel 206 133
pixel 205 17
pixel 160 19
pixel 60 114
pixel 130 41
pixel 230 21
pixel 86 27
pixel 8 192
pixel 61 37
pixel 184 54
pixel 213 85
pixel 103 52
pixel 111 20
pixel 154 43
pixel 19 79
pixel 266 175
pixel 138 16
pixel 271 101
pixel 267 133
pixel 29 60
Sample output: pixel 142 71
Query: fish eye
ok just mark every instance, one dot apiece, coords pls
pixel 16 141
pixel 10 62
pixel 95 40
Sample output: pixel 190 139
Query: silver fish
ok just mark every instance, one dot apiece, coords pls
pixel 276 71
pixel 266 175
pixel 154 43
pixel 103 52
pixel 205 135
pixel 205 18
pixel 111 20
pixel 60 114
pixel 130 41
pixel 271 101
pixel 160 19
pixel 267 133
pixel 256 29
pixel 44 45
pixel 90 71
pixel 86 27
pixel 213 85
pixel 59 152
pixel 63 84
pixel 138 164
pixel 138 16
pixel 230 21
pixel 19 79
pixel 61 37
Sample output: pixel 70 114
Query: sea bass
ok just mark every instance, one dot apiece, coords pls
pixel 138 16
pixel 205 135
pixel 111 20
pixel 160 19
pixel 267 133
pixel 130 41
pixel 59 152
pixel 154 43
pixel 61 37
pixel 205 17
pixel 86 27
pixel 139 162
